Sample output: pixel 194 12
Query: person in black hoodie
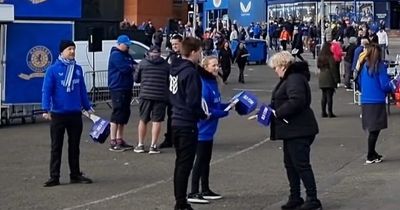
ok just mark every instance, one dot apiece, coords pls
pixel 175 54
pixel 294 123
pixel 297 44
pixel 225 59
pixel 152 74
pixel 185 97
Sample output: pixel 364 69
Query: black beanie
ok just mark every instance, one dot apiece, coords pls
pixel 64 44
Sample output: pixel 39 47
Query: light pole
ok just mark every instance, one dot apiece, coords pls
pixel 322 14
pixel 195 11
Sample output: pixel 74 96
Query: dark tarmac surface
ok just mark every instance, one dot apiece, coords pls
pixel 247 168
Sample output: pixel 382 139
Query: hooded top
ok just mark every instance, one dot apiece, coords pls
pixel 211 99
pixel 120 70
pixel 291 100
pixel 185 94
pixel 152 74
pixel 55 98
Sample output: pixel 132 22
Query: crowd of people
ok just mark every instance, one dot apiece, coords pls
pixel 184 87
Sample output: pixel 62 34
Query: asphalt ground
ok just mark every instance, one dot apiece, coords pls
pixel 247 168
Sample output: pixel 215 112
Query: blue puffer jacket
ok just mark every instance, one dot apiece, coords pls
pixel 374 87
pixel 55 97
pixel 211 100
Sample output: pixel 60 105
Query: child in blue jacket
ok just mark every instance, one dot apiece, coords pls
pixel 211 103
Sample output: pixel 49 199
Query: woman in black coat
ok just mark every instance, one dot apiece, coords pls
pixel 297 45
pixel 241 55
pixel 295 124
pixel 225 59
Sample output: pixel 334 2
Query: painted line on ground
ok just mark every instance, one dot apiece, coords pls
pixel 154 184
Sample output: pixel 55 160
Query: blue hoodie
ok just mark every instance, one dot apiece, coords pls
pixel 211 98
pixel 120 70
pixel 357 53
pixel 185 94
pixel 55 97
pixel 374 87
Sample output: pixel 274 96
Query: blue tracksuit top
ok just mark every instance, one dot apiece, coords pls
pixel 357 53
pixel 120 70
pixel 55 97
pixel 374 87
pixel 211 100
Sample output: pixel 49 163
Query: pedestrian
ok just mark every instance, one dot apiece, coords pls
pixel 152 74
pixel 291 101
pixel 297 44
pixel 174 55
pixel 241 56
pixel 328 79
pixel 374 84
pixel 63 97
pixel 185 98
pixel 120 83
pixel 336 49
pixel 284 38
pixel 207 129
pixel 383 41
pixel 225 59
pixel 348 61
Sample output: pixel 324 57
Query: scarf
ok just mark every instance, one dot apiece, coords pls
pixel 70 72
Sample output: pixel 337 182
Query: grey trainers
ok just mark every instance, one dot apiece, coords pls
pixel 139 149
pixel 154 150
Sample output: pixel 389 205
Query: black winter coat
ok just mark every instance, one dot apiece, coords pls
pixel 298 43
pixel 291 100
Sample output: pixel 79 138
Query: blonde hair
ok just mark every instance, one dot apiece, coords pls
pixel 206 60
pixel 283 58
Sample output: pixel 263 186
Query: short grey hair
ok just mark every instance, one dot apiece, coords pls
pixel 283 58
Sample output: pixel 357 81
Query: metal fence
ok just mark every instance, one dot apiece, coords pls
pixel 97 87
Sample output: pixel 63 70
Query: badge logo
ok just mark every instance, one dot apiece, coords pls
pixel 37 1
pixel 37 59
pixel 173 84
pixel 245 8
pixel 217 3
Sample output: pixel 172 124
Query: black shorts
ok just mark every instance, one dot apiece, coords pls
pixel 152 110
pixel 121 106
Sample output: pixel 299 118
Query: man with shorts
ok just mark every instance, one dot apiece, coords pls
pixel 120 83
pixel 152 74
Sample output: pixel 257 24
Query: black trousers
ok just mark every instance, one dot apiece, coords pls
pixel 185 143
pixel 299 56
pixel 327 99
pixel 72 123
pixel 241 72
pixel 167 135
pixel 372 139
pixel 201 168
pixel 284 43
pixel 297 163
pixel 226 71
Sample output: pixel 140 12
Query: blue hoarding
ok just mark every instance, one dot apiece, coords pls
pixel 216 4
pixel 46 8
pixel 247 11
pixel 31 48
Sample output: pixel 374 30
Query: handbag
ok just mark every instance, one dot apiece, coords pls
pixel 295 51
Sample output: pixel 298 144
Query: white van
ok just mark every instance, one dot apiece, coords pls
pixel 100 68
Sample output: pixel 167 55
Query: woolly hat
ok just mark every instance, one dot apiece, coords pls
pixel 65 44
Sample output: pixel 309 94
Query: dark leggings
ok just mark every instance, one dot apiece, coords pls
pixel 201 168
pixel 372 139
pixel 327 98
pixel 299 56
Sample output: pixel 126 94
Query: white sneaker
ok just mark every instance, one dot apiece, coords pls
pixel 197 198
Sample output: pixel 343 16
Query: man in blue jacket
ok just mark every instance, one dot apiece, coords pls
pixel 185 98
pixel 120 83
pixel 63 97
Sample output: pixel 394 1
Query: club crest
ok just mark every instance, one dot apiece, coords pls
pixel 245 8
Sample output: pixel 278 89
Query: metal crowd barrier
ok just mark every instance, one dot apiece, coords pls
pixel 98 91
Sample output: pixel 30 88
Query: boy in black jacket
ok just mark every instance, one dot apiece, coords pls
pixel 185 98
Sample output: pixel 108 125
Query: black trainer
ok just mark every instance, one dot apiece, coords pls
pixel 197 198
pixel 293 203
pixel 165 144
pixel 210 195
pixel 52 182
pixel 184 207
pixel 80 180
pixel 311 204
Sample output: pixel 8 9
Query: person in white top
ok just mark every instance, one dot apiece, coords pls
pixel 383 41
pixel 235 33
